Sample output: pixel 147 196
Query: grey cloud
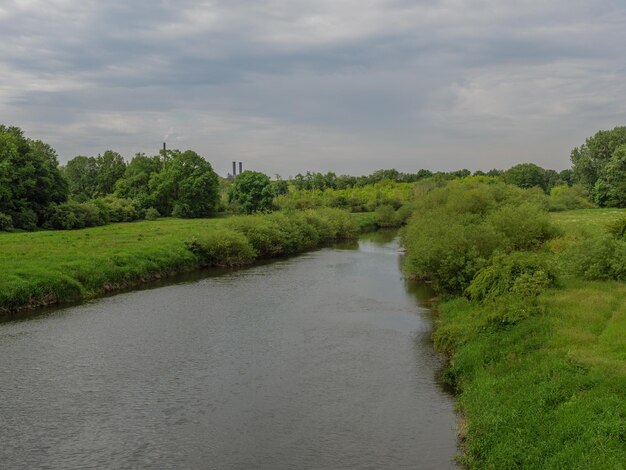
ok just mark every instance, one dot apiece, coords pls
pixel 319 85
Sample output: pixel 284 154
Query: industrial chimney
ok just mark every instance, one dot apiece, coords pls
pixel 234 169
pixel 240 167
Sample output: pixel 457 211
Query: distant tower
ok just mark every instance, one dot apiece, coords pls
pixel 240 167
pixel 234 168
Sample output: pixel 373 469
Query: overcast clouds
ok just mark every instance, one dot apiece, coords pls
pixel 288 86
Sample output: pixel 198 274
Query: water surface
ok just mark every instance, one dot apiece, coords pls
pixel 322 361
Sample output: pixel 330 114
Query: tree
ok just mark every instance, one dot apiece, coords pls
pixel 110 167
pixel 186 187
pixel 81 174
pixel 252 191
pixel 610 187
pixel 525 175
pixel 135 183
pixel 29 179
pixel 589 159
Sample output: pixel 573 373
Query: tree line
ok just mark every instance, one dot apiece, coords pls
pixel 36 192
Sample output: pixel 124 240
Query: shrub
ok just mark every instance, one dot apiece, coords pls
pixel 564 197
pixel 599 257
pixel 525 226
pixel 6 222
pixel 263 234
pixel 222 247
pixel 25 219
pixel 73 215
pixel 445 250
pixel 386 216
pixel 117 209
pixel 509 309
pixel 526 274
pixel 152 214
pixel 280 234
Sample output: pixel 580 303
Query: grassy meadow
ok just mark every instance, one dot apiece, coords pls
pixel 47 267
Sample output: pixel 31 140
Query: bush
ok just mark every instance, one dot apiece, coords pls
pixel 263 234
pixel 117 209
pixel 6 222
pixel 152 214
pixel 74 215
pixel 597 258
pixel 564 198
pixel 525 227
pixel 283 233
pixel 26 219
pixel 455 230
pixel 509 309
pixel 525 274
pixel 447 251
pixel 386 216
pixel 222 247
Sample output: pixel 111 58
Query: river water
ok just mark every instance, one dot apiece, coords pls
pixel 321 361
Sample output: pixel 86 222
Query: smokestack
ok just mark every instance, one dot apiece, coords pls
pixel 234 168
pixel 164 151
pixel 240 167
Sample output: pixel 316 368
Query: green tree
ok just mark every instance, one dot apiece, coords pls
pixel 29 178
pixel 525 175
pixel 110 168
pixel 81 174
pixel 135 183
pixel 186 187
pixel 252 191
pixel 610 187
pixel 589 159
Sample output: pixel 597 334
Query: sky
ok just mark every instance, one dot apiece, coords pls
pixel 286 86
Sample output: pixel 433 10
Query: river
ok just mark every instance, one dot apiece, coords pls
pixel 321 361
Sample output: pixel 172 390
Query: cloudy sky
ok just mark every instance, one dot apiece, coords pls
pixel 286 86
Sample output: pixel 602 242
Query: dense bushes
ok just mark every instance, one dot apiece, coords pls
pixel 357 199
pixel 222 247
pixel 596 257
pixel 565 198
pixel 456 230
pixel 271 235
pixel 520 273
pixel 74 215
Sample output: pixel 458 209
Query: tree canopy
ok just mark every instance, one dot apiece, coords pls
pixel 186 187
pixel 598 165
pixel 252 191
pixel 30 179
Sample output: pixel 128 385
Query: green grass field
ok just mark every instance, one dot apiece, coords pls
pixel 593 220
pixel 548 392
pixel 46 267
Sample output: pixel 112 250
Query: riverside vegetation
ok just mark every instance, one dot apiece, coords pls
pixel 532 318
pixel 48 267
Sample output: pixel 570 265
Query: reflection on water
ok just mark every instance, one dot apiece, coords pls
pixel 320 361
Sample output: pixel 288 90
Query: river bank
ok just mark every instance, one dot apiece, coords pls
pixel 536 350
pixel 56 267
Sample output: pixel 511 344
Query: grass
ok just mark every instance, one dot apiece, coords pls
pixel 550 390
pixel 47 267
pixel 587 220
